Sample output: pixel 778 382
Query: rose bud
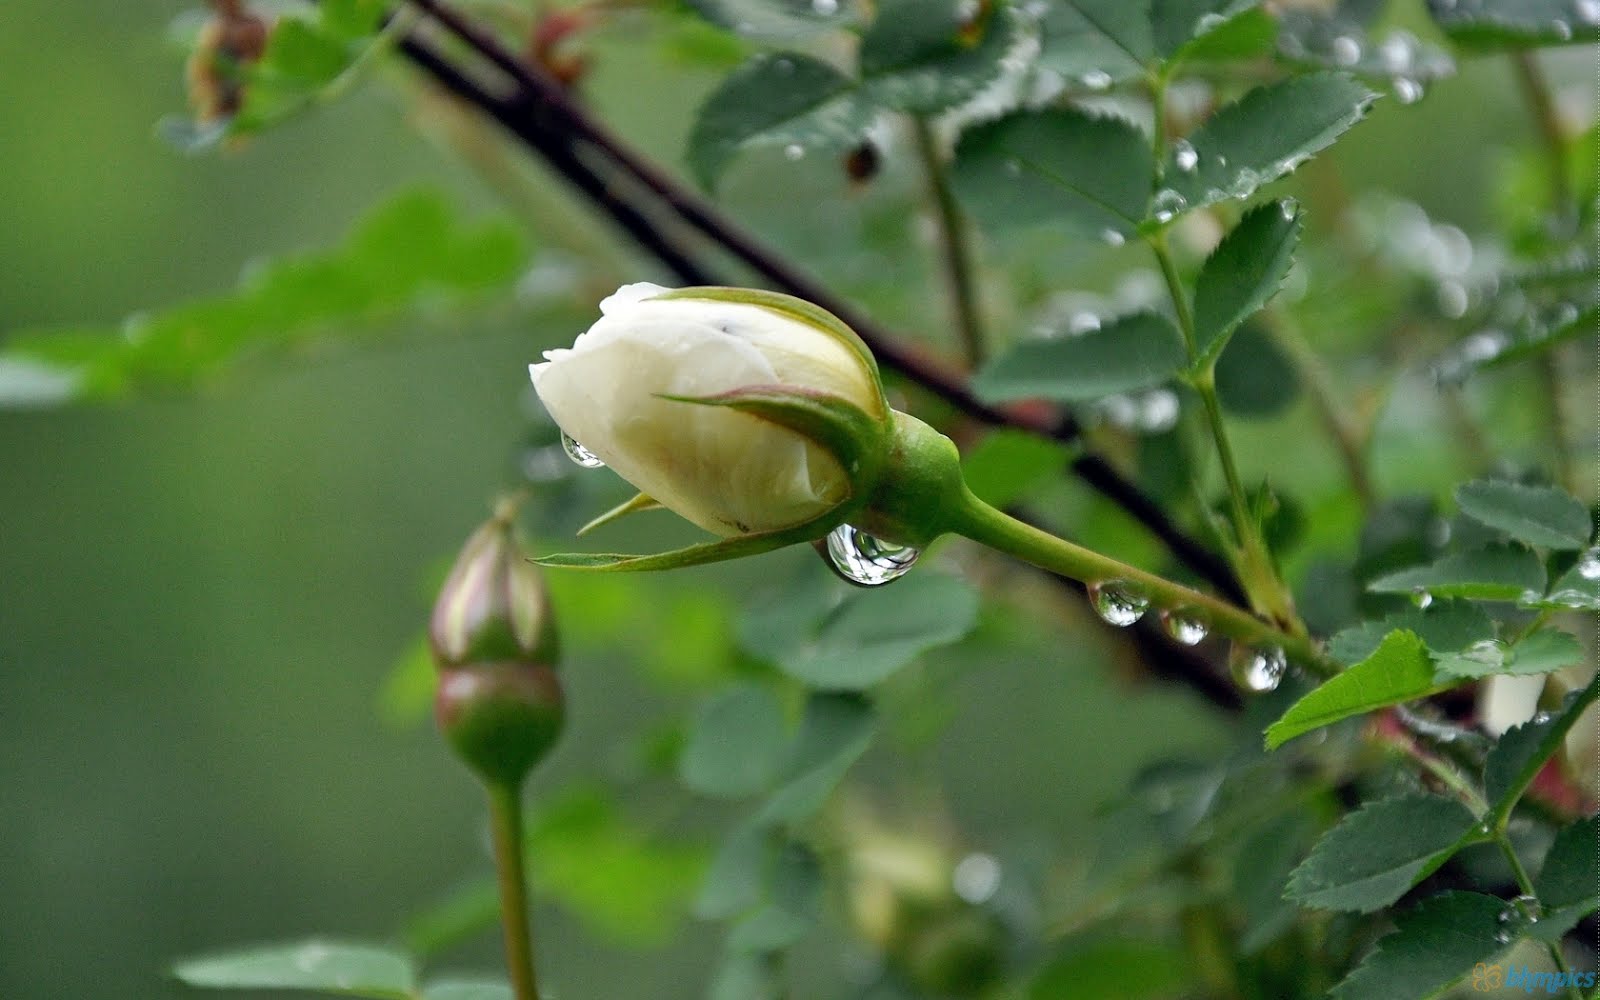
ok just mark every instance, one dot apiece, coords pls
pixel 755 415
pixel 493 605
pixel 502 718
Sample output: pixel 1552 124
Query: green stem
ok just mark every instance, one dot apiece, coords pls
pixel 1537 93
pixel 1525 886
pixel 1348 439
pixel 984 524
pixel 505 822
pixel 955 253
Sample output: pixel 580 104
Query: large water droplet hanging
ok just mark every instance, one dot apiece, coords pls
pixel 1186 627
pixel 1257 670
pixel 1117 602
pixel 866 560
pixel 581 456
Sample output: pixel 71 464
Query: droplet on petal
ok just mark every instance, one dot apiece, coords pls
pixel 581 456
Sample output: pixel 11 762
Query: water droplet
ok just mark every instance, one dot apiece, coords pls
pixel 967 11
pixel 1589 565
pixel 794 151
pixel 1528 909
pixel 1168 203
pixel 1013 168
pixel 1346 50
pixel 1158 411
pixel 1485 652
pixel 1113 238
pixel 1541 718
pixel 1096 79
pixel 825 8
pixel 1562 30
pixel 1080 323
pixel 866 560
pixel 1409 91
pixel 976 877
pixel 1421 598
pixel 1453 300
pixel 1588 11
pixel 1257 670
pixel 1287 208
pixel 1186 627
pixel 1502 937
pixel 1208 22
pixel 581 456
pixel 1398 52
pixel 1184 156
pixel 785 67
pixel 1117 602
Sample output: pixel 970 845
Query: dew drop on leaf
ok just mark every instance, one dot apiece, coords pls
pixel 866 560
pixel 1117 602
pixel 1589 565
pixel 1346 50
pixel 581 456
pixel 794 151
pixel 1096 79
pixel 1185 156
pixel 1421 598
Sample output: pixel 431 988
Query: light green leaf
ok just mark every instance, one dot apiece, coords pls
pixel 836 731
pixel 1056 167
pixel 464 911
pixel 1492 573
pixel 320 966
pixel 1444 627
pixel 1130 352
pixel 1523 750
pixel 737 874
pixel 1379 852
pixel 1542 652
pixel 406 695
pixel 1432 947
pixel 1491 24
pixel 1097 42
pixel 776 99
pixel 467 989
pixel 1263 136
pixel 925 56
pixel 1397 671
pixel 747 976
pixel 1177 22
pixel 736 743
pixel 873 633
pixel 793 903
pixel 1249 34
pixel 1113 970
pixel 1243 273
pixel 1538 515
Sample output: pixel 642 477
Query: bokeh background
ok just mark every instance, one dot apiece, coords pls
pixel 201 596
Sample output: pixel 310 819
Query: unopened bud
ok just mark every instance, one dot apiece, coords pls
pixel 493 605
pixel 502 718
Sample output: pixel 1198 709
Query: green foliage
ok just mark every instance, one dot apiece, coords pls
pixel 1432 947
pixel 1112 970
pixel 1537 515
pixel 1397 671
pixel 1379 852
pixel 1569 872
pixel 736 743
pixel 1491 24
pixel 318 966
pixel 1242 274
pixel 1523 750
pixel 1496 572
pixel 1131 352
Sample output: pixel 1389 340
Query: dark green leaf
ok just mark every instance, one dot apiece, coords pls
pixel 1539 653
pixel 1433 946
pixel 775 20
pixel 1261 873
pixel 467 989
pixel 835 732
pixel 1243 273
pixel 1492 573
pixel 1569 875
pixel 1379 852
pixel 1130 352
pixel 776 99
pixel 1246 35
pixel 1176 22
pixel 736 743
pixel 1524 749
pixel 1097 42
pixel 322 966
pixel 924 56
pixel 1255 379
pixel 1397 671
pixel 1538 515
pixel 1444 627
pixel 1113 970
pixel 1056 167
pixel 1490 24
pixel 873 633
pixel 1262 136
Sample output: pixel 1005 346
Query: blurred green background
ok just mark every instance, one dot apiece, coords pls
pixel 200 597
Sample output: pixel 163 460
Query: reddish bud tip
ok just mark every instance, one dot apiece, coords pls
pixel 493 605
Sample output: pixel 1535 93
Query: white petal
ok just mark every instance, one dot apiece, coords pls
pixel 627 296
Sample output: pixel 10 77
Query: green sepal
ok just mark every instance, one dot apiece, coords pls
pixel 788 305
pixel 702 554
pixel 621 510
pixel 855 440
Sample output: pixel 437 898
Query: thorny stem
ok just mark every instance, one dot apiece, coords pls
pixel 1525 887
pixel 505 821
pixel 955 250
pixel 540 113
pixel 1348 439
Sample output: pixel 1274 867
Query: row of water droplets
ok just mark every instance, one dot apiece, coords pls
pixel 1255 669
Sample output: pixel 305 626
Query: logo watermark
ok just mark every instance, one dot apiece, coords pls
pixel 1520 977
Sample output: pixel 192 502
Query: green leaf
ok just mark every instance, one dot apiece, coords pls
pixel 1058 167
pixel 835 732
pixel 321 966
pixel 1377 853
pixel 1242 274
pixel 775 20
pixel 1261 137
pixel 1266 859
pixel 736 743
pixel 1129 969
pixel 1432 947
pixel 1538 515
pixel 873 633
pixel 1255 379
pixel 1397 671
pixel 1130 352
pixel 406 696
pixel 1523 750
pixel 1249 34
pixel 776 99
pixel 1578 587
pixel 467 989
pixel 1490 24
pixel 624 882
pixel 737 874
pixel 1177 22
pixel 412 253
pixel 461 913
pixel 1540 653
pixel 925 56
pixel 1492 573
pixel 793 903
pixel 1569 874
pixel 1097 42
pixel 1444 627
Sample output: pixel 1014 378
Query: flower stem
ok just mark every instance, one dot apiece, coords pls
pixel 1525 886
pixel 984 524
pixel 505 821
pixel 955 251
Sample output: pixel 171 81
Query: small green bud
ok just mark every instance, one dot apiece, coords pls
pixel 493 605
pixel 502 718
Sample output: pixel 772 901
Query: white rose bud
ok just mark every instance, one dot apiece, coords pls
pixel 746 463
